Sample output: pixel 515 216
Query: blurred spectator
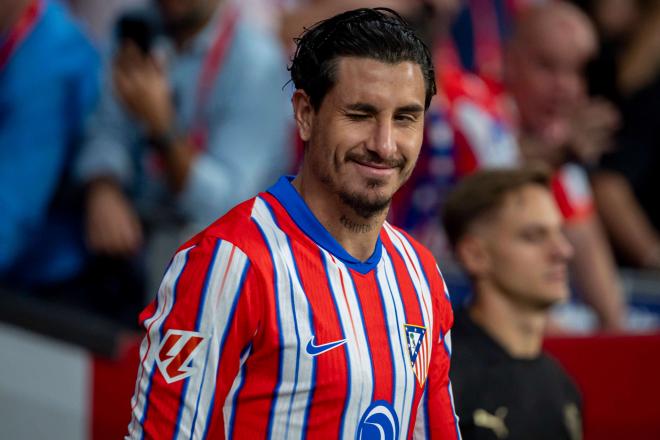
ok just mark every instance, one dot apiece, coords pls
pixel 192 121
pixel 100 15
pixel 628 73
pixel 298 14
pixel 539 114
pixel 48 83
pixel 506 231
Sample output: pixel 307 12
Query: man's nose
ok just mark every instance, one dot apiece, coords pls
pixel 382 140
pixel 562 247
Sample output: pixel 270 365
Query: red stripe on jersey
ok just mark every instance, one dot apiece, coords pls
pixel 235 341
pixel 377 332
pixel 163 409
pixel 255 399
pixel 411 303
pixel 330 378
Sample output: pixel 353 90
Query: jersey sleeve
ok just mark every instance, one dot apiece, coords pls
pixel 436 415
pixel 197 329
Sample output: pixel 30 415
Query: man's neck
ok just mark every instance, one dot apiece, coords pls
pixel 357 235
pixel 517 329
pixel 10 12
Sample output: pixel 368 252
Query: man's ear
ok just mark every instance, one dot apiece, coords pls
pixel 303 112
pixel 473 255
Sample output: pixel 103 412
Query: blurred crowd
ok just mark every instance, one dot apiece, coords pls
pixel 127 125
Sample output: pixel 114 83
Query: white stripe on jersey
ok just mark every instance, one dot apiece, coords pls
pixel 151 343
pixel 448 342
pixel 357 345
pixel 228 408
pixel 443 282
pixel 297 367
pixel 216 315
pixel 414 268
pixel 419 433
pixel 394 309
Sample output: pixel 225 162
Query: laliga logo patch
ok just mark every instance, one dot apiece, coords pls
pixel 379 422
pixel 177 352
pixel 418 351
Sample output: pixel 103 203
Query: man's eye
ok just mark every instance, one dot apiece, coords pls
pixel 405 118
pixel 357 116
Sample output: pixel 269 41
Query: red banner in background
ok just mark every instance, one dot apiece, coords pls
pixel 619 377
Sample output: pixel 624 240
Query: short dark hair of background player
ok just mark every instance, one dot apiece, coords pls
pixel 486 195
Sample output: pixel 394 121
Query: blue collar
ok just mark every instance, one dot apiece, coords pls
pixel 289 197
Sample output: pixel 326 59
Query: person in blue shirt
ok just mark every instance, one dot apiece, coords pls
pixel 48 83
pixel 192 120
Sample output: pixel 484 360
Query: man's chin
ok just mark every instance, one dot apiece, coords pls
pixel 366 204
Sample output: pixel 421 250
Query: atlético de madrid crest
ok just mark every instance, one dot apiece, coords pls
pixel 419 351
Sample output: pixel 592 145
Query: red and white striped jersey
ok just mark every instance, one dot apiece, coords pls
pixel 265 327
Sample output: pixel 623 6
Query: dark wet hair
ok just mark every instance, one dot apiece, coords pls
pixel 379 33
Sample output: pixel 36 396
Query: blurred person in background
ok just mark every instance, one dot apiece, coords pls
pixel 627 179
pixel 193 119
pixel 100 15
pixel 506 231
pixel 48 84
pixel 539 113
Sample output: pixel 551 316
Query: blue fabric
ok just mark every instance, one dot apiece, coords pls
pixel 305 219
pixel 46 89
pixel 249 119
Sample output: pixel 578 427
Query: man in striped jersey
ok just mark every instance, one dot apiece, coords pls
pixel 302 313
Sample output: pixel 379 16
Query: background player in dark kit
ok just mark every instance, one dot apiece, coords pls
pixel 506 231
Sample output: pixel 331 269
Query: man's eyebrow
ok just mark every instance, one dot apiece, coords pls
pixel 370 109
pixel 410 108
pixel 362 107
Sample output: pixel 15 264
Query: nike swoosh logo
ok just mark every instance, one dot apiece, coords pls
pixel 315 350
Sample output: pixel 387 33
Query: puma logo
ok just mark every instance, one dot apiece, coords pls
pixel 494 422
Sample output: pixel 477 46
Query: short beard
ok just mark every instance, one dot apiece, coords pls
pixel 364 207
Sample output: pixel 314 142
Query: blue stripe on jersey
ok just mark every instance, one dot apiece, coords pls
pixel 199 395
pixel 444 283
pixel 200 312
pixel 297 369
pixel 305 219
pixel 271 415
pixel 343 331
pixel 421 266
pixel 311 324
pixel 405 319
pixel 232 417
pixel 160 330
pixel 230 319
pixel 425 408
pixel 389 340
pixel 410 275
pixel 312 331
pixel 366 335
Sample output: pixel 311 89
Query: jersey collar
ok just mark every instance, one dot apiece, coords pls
pixel 303 217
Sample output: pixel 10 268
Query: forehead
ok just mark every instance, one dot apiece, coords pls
pixel 561 35
pixel 530 204
pixel 373 81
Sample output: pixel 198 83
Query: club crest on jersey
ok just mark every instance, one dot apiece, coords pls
pixel 177 354
pixel 418 350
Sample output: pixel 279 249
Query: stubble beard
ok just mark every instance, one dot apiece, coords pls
pixel 361 204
